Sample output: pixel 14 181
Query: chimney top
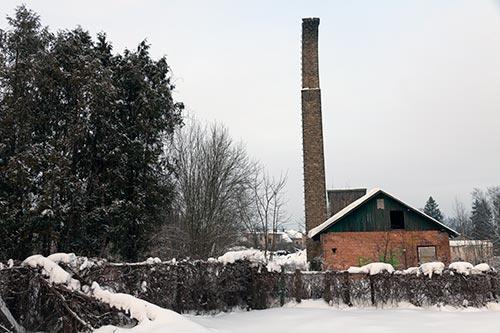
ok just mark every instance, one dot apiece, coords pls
pixel 310 20
pixel 310 66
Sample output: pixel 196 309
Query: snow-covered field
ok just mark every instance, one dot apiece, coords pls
pixel 318 317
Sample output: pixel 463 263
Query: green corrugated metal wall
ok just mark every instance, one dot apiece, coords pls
pixel 368 218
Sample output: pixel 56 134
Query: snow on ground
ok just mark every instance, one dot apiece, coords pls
pixel 160 326
pixel 318 317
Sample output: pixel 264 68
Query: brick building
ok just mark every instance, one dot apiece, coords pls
pixel 380 227
pixel 363 227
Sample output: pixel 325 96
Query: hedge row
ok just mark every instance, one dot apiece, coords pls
pixel 205 287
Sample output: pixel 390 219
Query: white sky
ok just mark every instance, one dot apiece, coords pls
pixel 410 89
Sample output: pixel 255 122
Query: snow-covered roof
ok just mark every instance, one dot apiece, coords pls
pixel 294 234
pixel 284 237
pixel 335 218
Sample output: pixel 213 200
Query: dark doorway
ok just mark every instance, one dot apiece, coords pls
pixel 397 219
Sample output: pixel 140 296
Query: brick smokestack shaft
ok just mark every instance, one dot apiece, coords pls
pixel 312 135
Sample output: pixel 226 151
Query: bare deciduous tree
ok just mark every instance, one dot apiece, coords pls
pixel 269 206
pixel 221 196
pixel 213 192
pixel 460 219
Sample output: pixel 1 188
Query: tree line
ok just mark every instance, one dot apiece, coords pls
pixel 95 158
pixel 483 221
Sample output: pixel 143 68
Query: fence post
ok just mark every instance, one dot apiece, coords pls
pixel 347 289
pixel 372 290
pixel 298 286
pixel 327 292
pixel 282 286
pixel 492 286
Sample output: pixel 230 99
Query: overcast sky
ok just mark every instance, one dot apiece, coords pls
pixel 410 89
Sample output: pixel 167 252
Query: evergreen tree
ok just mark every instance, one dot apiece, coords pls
pixel 83 164
pixel 494 198
pixel 22 148
pixel 481 217
pixel 432 209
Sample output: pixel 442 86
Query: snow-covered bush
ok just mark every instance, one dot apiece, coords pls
pixel 466 268
pixel 483 268
pixel 291 262
pixel 431 268
pixel 372 268
pixel 251 255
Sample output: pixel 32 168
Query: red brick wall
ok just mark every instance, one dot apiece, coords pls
pixel 398 246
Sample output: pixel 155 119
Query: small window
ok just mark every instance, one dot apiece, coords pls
pixel 426 254
pixel 380 204
pixel 397 219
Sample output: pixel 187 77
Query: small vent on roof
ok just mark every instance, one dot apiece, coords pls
pixel 380 204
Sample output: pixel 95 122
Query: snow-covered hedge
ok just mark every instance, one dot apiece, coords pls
pixel 43 299
pixel 432 283
pixel 227 282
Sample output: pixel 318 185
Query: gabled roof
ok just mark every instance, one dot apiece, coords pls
pixel 335 218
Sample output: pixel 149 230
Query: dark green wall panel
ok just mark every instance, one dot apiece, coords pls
pixel 368 218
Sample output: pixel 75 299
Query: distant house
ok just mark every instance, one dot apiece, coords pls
pixel 279 238
pixel 286 239
pixel 298 238
pixel 471 250
pixel 380 227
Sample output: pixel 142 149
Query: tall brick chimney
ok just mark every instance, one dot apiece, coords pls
pixel 312 135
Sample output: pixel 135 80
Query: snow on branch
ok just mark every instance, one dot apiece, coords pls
pixel 144 312
pixel 55 273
